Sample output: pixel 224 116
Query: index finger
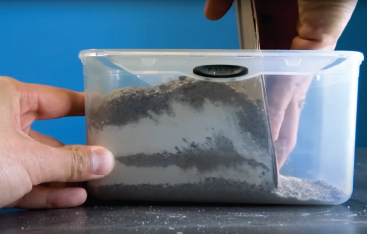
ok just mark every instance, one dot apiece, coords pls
pixel 49 102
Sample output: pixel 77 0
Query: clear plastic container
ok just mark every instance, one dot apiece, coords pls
pixel 224 126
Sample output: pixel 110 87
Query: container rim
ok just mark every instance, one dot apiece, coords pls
pixel 219 52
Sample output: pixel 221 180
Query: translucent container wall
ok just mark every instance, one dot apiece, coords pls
pixel 227 126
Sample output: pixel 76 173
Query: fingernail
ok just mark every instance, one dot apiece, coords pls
pixel 102 161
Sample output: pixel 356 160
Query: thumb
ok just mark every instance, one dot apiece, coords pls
pixel 73 164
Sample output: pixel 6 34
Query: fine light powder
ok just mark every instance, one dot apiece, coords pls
pixel 190 140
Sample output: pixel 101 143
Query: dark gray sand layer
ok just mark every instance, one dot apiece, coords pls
pixel 129 105
pixel 217 151
pixel 291 191
pixel 198 160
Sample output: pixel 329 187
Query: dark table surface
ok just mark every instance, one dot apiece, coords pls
pixel 350 217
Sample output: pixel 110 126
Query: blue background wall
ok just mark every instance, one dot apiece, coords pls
pixel 40 41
